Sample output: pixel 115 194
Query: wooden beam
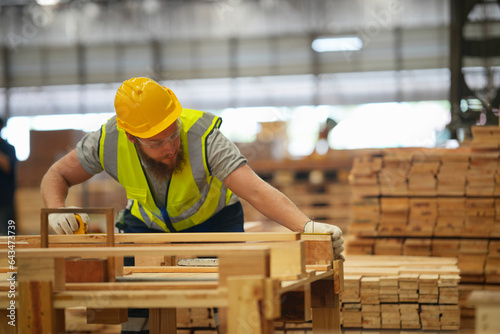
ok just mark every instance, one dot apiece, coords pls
pixel 130 286
pixel 245 314
pixel 192 250
pixel 106 316
pixel 142 298
pixel 153 238
pixel 326 321
pixel 5 327
pixel 162 321
pixel 36 312
pixel 241 262
pixel 325 303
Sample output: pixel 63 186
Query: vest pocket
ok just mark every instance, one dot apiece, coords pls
pixel 140 195
pixel 177 207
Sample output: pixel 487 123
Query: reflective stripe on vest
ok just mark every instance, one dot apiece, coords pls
pixel 194 194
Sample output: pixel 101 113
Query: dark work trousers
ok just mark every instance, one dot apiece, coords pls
pixel 229 219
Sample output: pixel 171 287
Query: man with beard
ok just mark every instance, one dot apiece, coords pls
pixel 179 171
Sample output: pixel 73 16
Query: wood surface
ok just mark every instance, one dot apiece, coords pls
pixel 235 261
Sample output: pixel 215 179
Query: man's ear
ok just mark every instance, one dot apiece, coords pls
pixel 132 139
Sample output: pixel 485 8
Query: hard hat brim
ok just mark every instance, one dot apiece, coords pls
pixel 153 131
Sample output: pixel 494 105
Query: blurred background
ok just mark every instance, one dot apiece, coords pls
pixel 301 84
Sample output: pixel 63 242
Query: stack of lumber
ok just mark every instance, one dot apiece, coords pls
pixel 459 219
pixel 396 292
pixel 473 217
pixel 478 259
pixel 363 177
pixel 441 203
pixel 485 137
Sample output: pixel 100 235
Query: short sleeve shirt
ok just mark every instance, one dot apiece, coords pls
pixel 222 154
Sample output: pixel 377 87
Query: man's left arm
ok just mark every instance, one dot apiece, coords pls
pixel 276 206
pixel 227 164
pixel 265 198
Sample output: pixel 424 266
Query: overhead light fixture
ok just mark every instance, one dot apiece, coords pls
pixel 47 2
pixel 333 44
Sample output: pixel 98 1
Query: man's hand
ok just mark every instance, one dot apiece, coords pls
pixel 66 223
pixel 337 239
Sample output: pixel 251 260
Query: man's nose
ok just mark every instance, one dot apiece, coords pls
pixel 169 146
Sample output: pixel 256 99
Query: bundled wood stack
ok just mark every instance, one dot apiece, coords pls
pixel 398 292
pixel 382 292
pixel 478 259
pixel 449 208
pixel 415 223
pixel 473 217
pixel 486 137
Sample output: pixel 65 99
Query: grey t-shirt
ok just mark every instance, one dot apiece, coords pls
pixel 222 154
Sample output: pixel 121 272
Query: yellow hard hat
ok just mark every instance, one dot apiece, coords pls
pixel 144 108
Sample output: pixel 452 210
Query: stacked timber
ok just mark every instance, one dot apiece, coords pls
pixel 486 137
pixel 397 292
pixel 449 208
pixel 450 223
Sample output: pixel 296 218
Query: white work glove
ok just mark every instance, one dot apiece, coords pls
pixel 65 223
pixel 337 239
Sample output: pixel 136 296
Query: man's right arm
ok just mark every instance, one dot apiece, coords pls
pixel 63 174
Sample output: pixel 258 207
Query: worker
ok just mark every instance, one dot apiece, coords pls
pixel 180 173
pixel 8 163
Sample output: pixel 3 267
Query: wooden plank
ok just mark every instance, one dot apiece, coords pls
pixel 487 305
pixel 242 262
pixel 162 321
pixel 484 297
pixel 244 310
pixel 8 317
pixel 296 305
pixel 159 238
pixel 143 298
pixel 151 285
pixel 318 252
pixel 106 316
pixel 326 321
pixel 86 270
pixel 41 269
pixel 26 241
pixel 192 250
pixel 171 269
pixel 36 314
pixel 288 259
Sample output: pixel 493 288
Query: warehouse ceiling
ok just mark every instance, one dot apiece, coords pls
pixel 70 57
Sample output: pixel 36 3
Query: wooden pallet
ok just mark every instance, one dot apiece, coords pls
pixel 253 269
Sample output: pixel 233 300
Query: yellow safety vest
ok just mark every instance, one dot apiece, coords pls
pixel 194 194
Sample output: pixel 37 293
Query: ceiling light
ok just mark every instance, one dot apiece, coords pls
pixel 332 44
pixel 47 2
